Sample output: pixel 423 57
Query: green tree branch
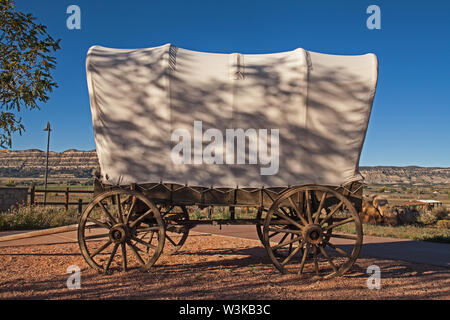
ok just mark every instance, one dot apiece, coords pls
pixel 26 62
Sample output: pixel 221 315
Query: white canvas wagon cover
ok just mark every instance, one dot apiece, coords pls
pixel 179 116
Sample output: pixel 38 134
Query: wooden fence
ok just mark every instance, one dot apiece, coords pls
pixel 67 197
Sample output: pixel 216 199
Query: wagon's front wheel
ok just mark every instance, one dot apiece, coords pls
pixel 317 219
pixel 121 229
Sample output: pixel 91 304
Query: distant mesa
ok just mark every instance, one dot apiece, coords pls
pixel 30 163
pixel 76 150
pixel 75 163
pixel 38 150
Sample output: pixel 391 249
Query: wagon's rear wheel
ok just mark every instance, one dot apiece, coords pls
pixel 279 252
pixel 176 231
pixel 317 231
pixel 121 229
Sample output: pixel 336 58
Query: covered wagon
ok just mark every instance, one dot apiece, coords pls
pixel 180 132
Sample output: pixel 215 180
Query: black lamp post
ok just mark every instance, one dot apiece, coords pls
pixel 48 129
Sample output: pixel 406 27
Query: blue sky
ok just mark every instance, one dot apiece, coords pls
pixel 411 113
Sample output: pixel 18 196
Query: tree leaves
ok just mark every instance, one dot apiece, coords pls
pixel 26 62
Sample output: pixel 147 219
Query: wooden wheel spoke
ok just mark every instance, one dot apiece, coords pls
pixel 322 202
pixel 339 223
pixel 291 255
pixel 142 217
pixel 151 237
pixel 280 245
pixel 111 257
pixel 106 212
pixel 328 258
pixel 124 257
pixel 130 211
pixel 143 235
pixel 332 212
pixel 273 234
pixel 99 223
pixel 299 213
pixel 283 238
pixel 284 217
pixel 316 263
pixel 289 214
pixel 135 246
pixel 103 247
pixel 119 209
pixel 305 255
pixel 97 236
pixel 344 253
pixel 149 245
pixel 290 245
pixel 135 252
pixel 308 206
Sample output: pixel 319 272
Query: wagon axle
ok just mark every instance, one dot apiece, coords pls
pixel 120 233
pixel 313 234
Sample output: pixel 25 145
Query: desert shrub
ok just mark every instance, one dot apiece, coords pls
pixel 440 213
pixel 431 217
pixel 426 218
pixel 444 224
pixel 34 217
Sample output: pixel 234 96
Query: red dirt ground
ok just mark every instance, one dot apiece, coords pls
pixel 208 267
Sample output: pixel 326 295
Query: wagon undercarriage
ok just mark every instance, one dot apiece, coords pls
pixel 300 227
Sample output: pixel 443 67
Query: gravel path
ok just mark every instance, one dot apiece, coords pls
pixel 208 267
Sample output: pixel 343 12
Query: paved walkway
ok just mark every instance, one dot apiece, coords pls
pixel 377 247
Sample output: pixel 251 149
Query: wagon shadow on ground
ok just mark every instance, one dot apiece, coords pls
pixel 221 279
pixel 237 273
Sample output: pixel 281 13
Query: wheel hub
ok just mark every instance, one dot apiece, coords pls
pixel 119 233
pixel 313 234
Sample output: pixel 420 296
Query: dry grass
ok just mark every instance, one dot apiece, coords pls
pixel 412 232
pixel 26 218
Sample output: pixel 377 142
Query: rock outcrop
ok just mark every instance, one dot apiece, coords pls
pixel 406 175
pixel 31 163
pixel 81 164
